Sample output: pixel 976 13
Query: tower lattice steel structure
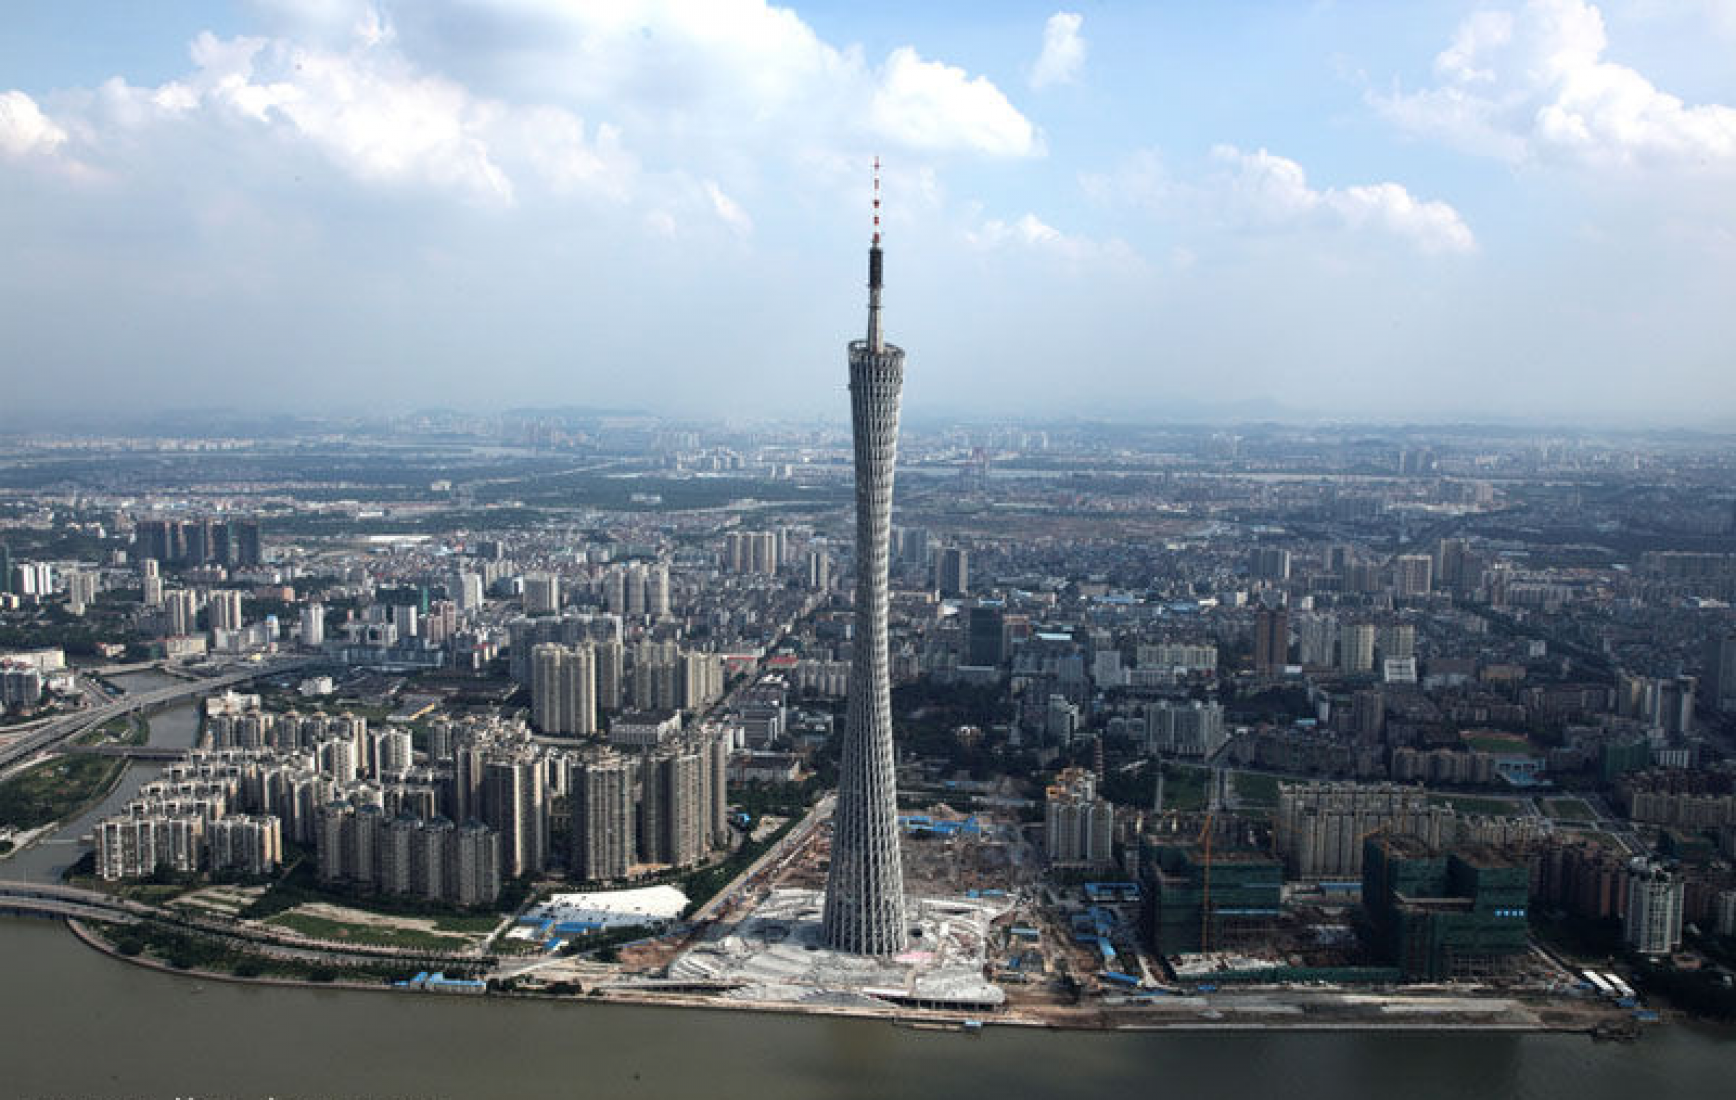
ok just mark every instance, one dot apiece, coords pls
pixel 865 886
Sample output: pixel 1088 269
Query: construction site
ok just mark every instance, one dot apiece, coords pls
pixel 1205 933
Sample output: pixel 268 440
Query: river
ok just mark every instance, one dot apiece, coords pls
pixel 79 1024
pixel 174 727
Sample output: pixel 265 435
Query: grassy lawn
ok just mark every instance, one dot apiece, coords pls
pixel 1184 789
pixel 324 929
pixel 1470 804
pixel 55 789
pixel 1568 809
pixel 1256 789
pixel 151 893
pixel 123 731
pixel 479 926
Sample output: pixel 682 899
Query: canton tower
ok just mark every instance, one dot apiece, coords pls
pixel 865 886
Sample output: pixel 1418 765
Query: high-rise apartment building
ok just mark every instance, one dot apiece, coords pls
pixel 467 591
pixel 563 689
pixel 1412 575
pixel 542 594
pixel 514 804
pixel 603 797
pixel 1271 641
pixel 1269 563
pixel 313 625
pixel 1720 677
pixel 607 660
pixel 952 572
pixel 1356 648
pixel 180 611
pixel 1078 827
pixel 1653 925
pixel 224 608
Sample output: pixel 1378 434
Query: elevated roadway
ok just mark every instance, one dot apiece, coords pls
pixel 64 728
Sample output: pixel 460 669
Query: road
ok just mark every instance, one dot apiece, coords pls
pixel 791 841
pixel 49 900
pixel 72 725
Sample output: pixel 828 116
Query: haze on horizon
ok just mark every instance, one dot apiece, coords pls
pixel 1512 210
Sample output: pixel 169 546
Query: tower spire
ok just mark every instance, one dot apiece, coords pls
pixel 876 341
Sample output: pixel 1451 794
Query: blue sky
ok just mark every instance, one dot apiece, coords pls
pixel 1422 211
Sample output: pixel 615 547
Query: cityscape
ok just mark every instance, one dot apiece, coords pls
pixel 880 740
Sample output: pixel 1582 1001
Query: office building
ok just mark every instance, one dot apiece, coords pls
pixel 985 636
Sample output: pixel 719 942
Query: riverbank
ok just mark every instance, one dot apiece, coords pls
pixel 1240 1011
pixel 263 1040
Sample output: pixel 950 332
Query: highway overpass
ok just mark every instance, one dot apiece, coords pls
pixel 71 725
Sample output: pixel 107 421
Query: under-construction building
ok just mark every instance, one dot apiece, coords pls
pixel 1206 897
pixel 1442 915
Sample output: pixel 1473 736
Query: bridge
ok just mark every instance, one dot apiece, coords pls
pixel 155 753
pixel 71 725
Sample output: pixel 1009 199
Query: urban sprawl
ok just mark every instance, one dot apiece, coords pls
pixel 1337 727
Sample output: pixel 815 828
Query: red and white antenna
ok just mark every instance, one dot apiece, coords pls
pixel 876 202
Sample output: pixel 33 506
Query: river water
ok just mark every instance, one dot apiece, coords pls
pixel 75 1023
pixel 173 727
pixel 79 1024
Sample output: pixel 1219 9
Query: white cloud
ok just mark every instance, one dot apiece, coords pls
pixel 368 110
pixel 633 101
pixel 741 80
pixel 935 107
pixel 24 129
pixel 1265 188
pixel 1262 191
pixel 1031 234
pixel 1063 51
pixel 1534 85
pixel 727 210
